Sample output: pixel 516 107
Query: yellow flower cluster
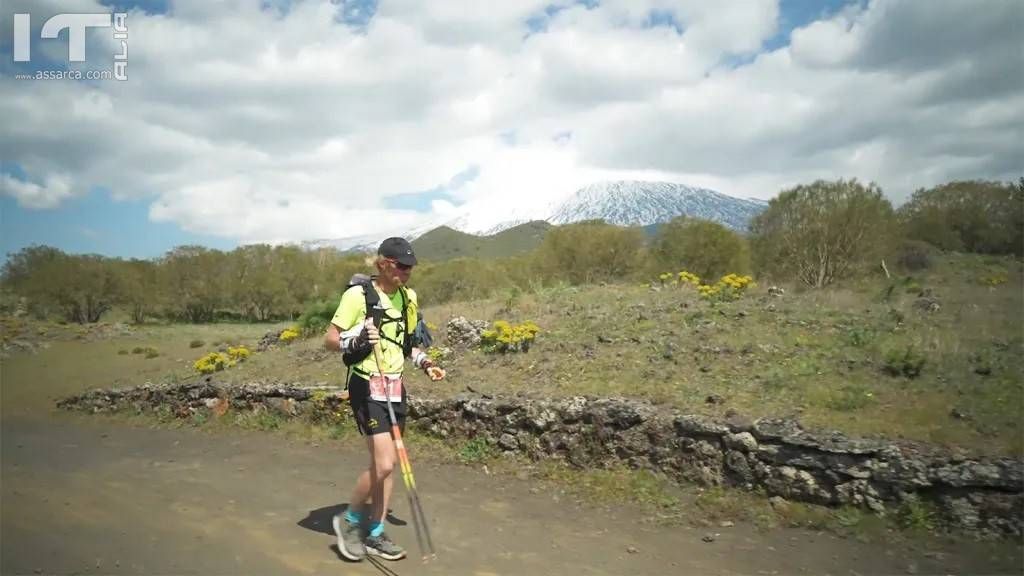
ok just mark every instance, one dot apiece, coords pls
pixel 689 278
pixel 239 353
pixel 737 282
pixel 212 362
pixel 995 280
pixel 217 361
pixel 288 334
pixel 506 337
pixel 729 287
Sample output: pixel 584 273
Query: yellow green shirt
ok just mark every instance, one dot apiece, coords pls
pixel 352 311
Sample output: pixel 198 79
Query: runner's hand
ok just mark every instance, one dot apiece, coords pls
pixel 372 334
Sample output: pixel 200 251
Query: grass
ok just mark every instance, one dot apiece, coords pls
pixel 857 358
pixel 846 358
pixel 819 355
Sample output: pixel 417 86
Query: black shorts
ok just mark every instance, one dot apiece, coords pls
pixel 372 415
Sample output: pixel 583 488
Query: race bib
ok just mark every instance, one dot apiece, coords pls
pixel 383 386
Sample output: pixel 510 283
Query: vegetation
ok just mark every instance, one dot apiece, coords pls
pixel 973 216
pixel 706 249
pixel 849 345
pixel 822 232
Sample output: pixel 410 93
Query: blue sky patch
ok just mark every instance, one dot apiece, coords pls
pixel 421 201
pixel 95 224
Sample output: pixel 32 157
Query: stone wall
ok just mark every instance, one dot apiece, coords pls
pixel 983 496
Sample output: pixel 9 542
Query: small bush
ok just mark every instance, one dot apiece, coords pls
pixel 914 256
pixel 904 361
pixel 196 344
pixel 475 450
pixel 288 335
pixel 995 279
pixel 860 337
pixel 138 350
pixel 850 398
pixel 914 514
pixel 122 352
pixel 507 337
pixel 151 353
pixel 438 355
pixel 317 316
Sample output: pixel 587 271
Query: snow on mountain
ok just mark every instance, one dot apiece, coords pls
pixel 633 203
pixel 625 203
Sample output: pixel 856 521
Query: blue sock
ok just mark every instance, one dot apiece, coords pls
pixel 353 517
pixel 377 529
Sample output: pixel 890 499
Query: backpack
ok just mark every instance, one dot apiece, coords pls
pixel 419 336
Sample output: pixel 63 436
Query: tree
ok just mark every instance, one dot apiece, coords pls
pixel 970 216
pixel 702 247
pixel 196 280
pixel 818 233
pixel 82 287
pixel 591 251
pixel 140 288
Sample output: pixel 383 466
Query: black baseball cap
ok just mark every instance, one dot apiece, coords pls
pixel 397 249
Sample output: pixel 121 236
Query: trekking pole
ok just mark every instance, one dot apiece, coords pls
pixel 418 518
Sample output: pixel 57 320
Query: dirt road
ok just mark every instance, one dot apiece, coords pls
pixel 92 496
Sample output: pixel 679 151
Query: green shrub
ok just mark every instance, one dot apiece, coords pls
pixel 138 350
pixel 904 361
pixel 860 337
pixel 438 355
pixel 915 255
pixel 850 398
pixel 707 249
pixel 151 353
pixel 915 514
pixel 317 317
pixel 122 352
pixel 475 450
pixel 196 344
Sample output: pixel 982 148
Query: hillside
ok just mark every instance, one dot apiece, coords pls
pixel 444 243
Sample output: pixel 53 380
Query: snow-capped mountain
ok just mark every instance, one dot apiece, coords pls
pixel 626 203
pixel 632 203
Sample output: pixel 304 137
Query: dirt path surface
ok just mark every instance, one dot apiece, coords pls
pixel 94 496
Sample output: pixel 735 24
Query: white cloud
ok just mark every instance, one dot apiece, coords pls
pixel 266 124
pixel 55 189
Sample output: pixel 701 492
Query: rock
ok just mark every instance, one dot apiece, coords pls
pixel 709 538
pixel 959 414
pixel 689 425
pixel 508 442
pixel 726 524
pixel 631 549
pixel 464 332
pixel 743 441
pixel 779 504
pixel 714 399
pixel 268 340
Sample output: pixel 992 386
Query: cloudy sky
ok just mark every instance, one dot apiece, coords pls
pixel 249 121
